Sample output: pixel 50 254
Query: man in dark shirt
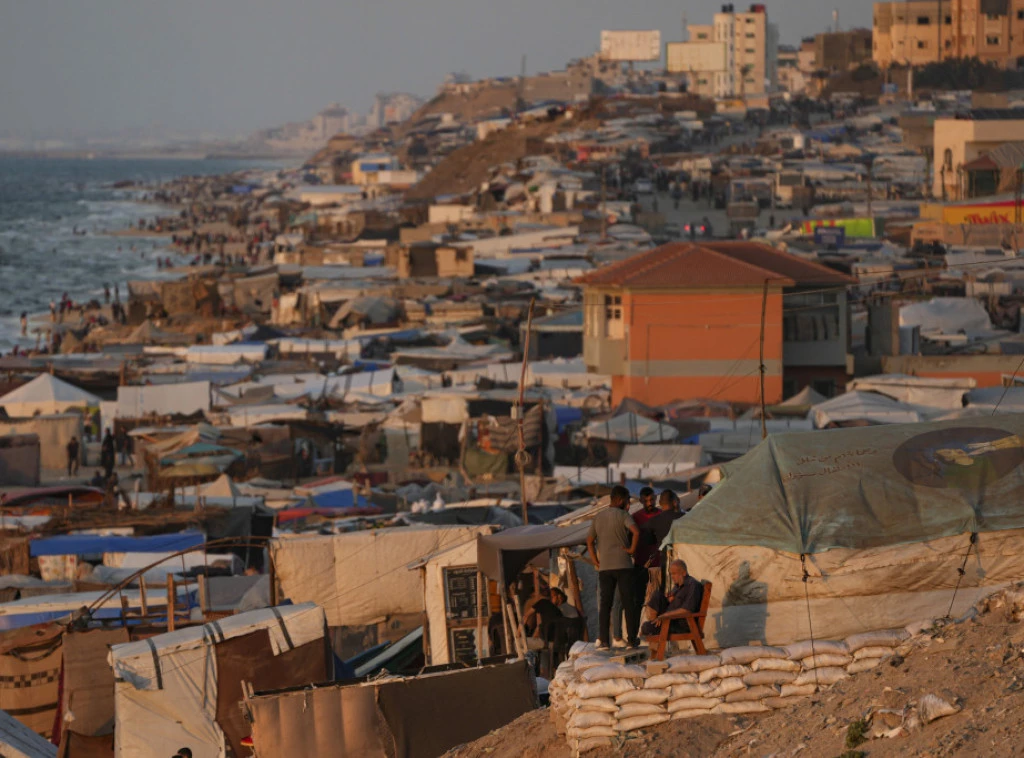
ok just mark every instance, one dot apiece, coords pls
pixel 616 535
pixel 686 594
pixel 656 529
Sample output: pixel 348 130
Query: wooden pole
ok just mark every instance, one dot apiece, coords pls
pixel 764 309
pixel 481 607
pixel 521 457
pixel 170 602
pixel 142 597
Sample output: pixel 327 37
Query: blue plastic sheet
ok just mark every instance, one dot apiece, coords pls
pixel 89 544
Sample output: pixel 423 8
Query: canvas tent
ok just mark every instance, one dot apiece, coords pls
pixel 882 516
pixel 503 555
pixel 946 394
pixel 168 688
pixel 46 395
pixel 630 428
pixel 867 407
pixel 362 578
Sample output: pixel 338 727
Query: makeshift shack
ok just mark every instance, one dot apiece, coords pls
pixel 882 519
pixel 53 432
pixel 182 689
pixel 19 460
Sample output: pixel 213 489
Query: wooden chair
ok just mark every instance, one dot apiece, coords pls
pixel 695 634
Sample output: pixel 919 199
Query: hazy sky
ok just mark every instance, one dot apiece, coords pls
pixel 232 66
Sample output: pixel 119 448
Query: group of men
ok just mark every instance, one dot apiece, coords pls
pixel 626 549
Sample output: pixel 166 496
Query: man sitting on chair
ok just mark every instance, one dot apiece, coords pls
pixel 686 594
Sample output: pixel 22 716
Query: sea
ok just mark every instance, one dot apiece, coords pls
pixel 45 206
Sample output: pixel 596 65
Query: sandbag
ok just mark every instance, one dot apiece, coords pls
pixel 751 653
pixel 864 664
pixel 751 707
pixel 783 702
pixel 822 676
pixel 564 668
pixel 723 672
pixel 872 652
pixel 798 690
pixel 769 677
pixel 931 707
pixel 882 638
pixel 580 647
pixel 690 690
pixel 590 731
pixel 689 714
pixel 775 664
pixel 584 719
pixel 639 722
pixel 654 697
pixel 693 703
pixel 689 664
pixel 726 686
pixel 800 650
pixel 604 704
pixel 915 628
pixel 614 671
pixel 824 660
pixel 751 693
pixel 603 688
pixel 667 680
pixel 588 662
pixel 629 710
pixel 592 743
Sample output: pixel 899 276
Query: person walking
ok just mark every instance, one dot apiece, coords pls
pixel 107 454
pixel 616 536
pixel 73 449
pixel 24 323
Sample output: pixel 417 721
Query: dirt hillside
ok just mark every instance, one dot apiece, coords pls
pixel 976 665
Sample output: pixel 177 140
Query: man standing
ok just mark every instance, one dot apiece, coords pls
pixel 657 527
pixel 107 454
pixel 616 535
pixel 73 457
pixel 647 573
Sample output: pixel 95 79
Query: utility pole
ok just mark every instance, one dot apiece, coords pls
pixel 520 101
pixel 604 210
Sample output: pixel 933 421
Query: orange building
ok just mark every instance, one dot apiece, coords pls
pixel 683 321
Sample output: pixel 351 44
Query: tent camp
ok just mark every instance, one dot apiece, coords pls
pixel 865 407
pixel 183 688
pixel 882 517
pixel 46 395
pixel 362 578
pixel 630 428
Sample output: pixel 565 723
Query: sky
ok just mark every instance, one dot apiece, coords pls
pixel 95 67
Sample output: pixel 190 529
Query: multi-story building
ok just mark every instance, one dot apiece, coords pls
pixel 791 78
pixel 734 56
pixel 841 51
pixel 918 32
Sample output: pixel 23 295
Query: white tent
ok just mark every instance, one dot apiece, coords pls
pixel 944 394
pixel 46 395
pixel 864 406
pixel 631 429
pixel 18 741
pixel 947 315
pixel 165 693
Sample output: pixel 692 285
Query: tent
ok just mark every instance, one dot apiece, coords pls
pixel 331 493
pixel 46 395
pixel 18 741
pixel 987 399
pixel 864 406
pixel 882 517
pixel 182 688
pixel 945 394
pixel 630 428
pixel 503 555
pixel 360 578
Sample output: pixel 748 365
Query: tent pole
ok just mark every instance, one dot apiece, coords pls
pixel 481 604
pixel 521 456
pixel 764 308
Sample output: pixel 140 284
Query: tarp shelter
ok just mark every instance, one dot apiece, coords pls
pixel 988 399
pixel 30 664
pixel 87 692
pixel 175 690
pixel 46 395
pixel 183 398
pixel 332 493
pixel 18 741
pixel 866 407
pixel 419 717
pixel 361 578
pixel 630 428
pixel 947 315
pixel 93 544
pixel 54 433
pixel 883 516
pixel 502 556
pixel 945 394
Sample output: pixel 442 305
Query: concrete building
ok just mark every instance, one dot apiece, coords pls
pixel 918 32
pixel 959 140
pixel 683 321
pixel 791 78
pixel 840 51
pixel 748 62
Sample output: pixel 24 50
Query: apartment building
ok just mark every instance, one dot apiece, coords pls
pixel 734 56
pixel 919 32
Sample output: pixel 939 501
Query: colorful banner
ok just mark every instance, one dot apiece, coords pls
pixel 854 227
pixel 1001 212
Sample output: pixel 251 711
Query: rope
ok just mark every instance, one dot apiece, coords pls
pixel 960 572
pixel 810 627
pixel 1008 385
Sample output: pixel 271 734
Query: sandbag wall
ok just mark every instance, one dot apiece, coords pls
pixel 594 699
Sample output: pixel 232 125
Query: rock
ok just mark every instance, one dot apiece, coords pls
pixel 932 707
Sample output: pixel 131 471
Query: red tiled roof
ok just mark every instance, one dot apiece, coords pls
pixel 713 264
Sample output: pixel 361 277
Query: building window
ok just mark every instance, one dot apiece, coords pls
pixel 923 20
pixel 1020 15
pixel 702 35
pixel 613 317
pixel 922 44
pixel 948 21
pixel 947 160
pixel 990 40
pixel 826 387
pixel 991 17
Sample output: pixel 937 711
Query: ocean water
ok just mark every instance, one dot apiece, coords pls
pixel 43 201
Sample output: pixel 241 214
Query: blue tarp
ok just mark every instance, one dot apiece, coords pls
pixel 566 415
pixel 91 544
pixel 339 499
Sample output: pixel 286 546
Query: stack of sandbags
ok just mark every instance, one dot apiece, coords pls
pixel 872 648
